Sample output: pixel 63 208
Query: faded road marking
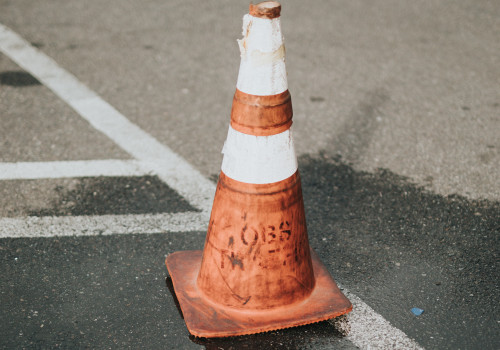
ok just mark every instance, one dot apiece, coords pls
pixel 369 330
pixel 57 226
pixel 79 168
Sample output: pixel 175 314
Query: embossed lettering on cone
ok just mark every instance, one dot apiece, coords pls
pixel 256 272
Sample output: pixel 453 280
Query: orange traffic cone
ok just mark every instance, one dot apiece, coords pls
pixel 257 272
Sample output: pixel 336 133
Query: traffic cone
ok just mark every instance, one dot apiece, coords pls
pixel 257 272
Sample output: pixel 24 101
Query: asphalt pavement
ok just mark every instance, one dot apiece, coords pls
pixel 396 127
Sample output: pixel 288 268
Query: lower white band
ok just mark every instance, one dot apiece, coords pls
pixel 259 159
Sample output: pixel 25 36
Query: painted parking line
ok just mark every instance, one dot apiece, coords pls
pixel 161 160
pixel 79 168
pixel 59 226
pixel 369 330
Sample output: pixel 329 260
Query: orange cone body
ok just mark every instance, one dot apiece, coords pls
pixel 256 253
pixel 256 272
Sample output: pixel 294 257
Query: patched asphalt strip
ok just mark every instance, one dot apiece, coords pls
pixel 93 206
pixel 90 196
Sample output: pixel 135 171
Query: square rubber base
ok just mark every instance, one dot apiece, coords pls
pixel 205 318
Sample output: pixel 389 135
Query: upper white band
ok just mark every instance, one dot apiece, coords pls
pixel 259 159
pixel 262 68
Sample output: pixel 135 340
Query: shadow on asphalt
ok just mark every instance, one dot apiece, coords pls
pixel 394 244
pixel 305 337
pixel 18 79
pixel 170 286
pixel 292 338
pixel 397 246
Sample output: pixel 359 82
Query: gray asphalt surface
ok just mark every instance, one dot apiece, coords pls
pixel 396 124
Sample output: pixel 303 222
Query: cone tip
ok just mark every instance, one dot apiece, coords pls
pixel 266 9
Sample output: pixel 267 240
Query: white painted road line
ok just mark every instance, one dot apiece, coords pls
pixel 60 226
pixel 80 168
pixel 369 330
pixel 174 170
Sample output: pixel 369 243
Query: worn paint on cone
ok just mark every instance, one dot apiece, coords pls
pixel 256 253
pixel 257 272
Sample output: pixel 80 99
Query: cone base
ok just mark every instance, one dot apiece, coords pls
pixel 205 318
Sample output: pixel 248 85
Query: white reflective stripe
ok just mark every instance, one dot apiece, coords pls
pixel 262 68
pixel 259 159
